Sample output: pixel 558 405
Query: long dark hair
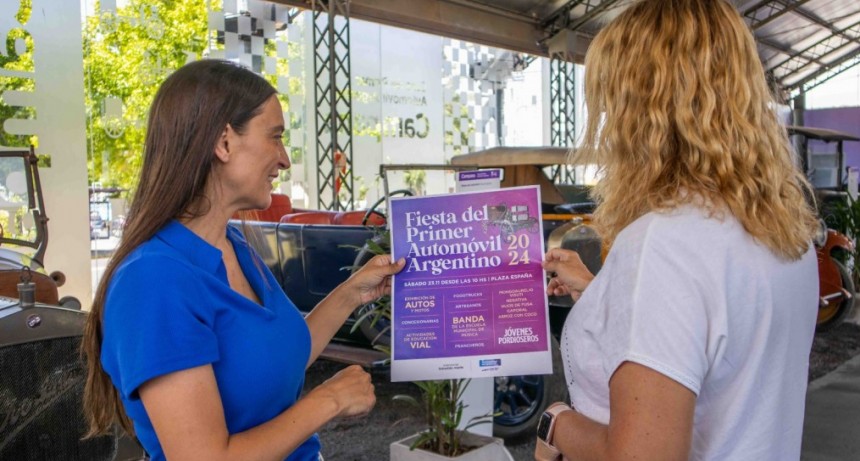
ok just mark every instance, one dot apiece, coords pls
pixel 189 113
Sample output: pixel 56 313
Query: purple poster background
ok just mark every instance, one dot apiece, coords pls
pixel 473 282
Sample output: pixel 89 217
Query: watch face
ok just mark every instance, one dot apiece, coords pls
pixel 543 426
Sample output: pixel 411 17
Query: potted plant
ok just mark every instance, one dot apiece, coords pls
pixel 441 401
pixel 844 216
pixel 443 406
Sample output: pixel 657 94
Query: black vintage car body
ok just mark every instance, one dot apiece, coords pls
pixel 41 388
pixel 310 252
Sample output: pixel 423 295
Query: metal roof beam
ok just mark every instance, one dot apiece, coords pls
pixel 559 19
pixel 819 49
pixel 561 14
pixel 772 9
pixel 595 9
pixel 809 16
pixel 824 74
pixel 787 50
pixel 456 19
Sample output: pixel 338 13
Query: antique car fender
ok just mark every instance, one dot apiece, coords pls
pixel 835 284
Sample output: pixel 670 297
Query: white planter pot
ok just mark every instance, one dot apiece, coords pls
pixel 492 449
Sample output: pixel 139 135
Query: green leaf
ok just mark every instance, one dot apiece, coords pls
pixel 370 312
pixel 406 398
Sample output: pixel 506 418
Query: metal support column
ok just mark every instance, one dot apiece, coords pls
pixel 562 97
pixel 800 143
pixel 333 99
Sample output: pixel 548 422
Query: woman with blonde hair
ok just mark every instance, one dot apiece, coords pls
pixel 693 340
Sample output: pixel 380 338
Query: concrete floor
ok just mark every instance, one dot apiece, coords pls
pixel 831 429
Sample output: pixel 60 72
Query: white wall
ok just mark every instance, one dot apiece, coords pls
pixel 58 100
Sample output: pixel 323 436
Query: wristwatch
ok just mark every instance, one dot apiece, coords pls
pixel 544 449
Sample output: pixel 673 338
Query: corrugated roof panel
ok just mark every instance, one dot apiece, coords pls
pixel 799 41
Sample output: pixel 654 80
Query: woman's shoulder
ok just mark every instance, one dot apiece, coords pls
pixel 680 220
pixel 154 275
pixel 154 261
pixel 685 226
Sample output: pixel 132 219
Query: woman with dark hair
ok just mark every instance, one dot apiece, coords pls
pixel 692 342
pixel 191 344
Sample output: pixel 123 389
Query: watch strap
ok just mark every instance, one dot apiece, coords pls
pixel 557 408
pixel 546 452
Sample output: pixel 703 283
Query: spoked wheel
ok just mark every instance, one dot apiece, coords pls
pixel 837 307
pixel 373 208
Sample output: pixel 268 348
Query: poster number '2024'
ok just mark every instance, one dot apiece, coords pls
pixel 518 249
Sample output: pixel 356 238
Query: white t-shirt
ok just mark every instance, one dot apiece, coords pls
pixel 699 301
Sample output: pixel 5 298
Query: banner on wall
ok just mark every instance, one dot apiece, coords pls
pixel 471 301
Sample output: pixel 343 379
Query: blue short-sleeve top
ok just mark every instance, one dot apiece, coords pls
pixel 169 307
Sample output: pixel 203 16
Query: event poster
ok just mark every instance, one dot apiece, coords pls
pixel 471 300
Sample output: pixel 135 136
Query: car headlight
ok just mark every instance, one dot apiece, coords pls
pixel 821 234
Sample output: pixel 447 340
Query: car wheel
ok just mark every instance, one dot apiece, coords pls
pixel 837 308
pixel 520 400
pixel 373 209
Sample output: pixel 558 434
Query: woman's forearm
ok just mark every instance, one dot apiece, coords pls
pixel 279 437
pixel 326 318
pixel 580 438
pixel 651 420
pixel 187 414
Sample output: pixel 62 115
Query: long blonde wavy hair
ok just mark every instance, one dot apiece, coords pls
pixel 679 111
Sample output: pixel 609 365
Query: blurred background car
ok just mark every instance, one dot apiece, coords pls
pixel 98 226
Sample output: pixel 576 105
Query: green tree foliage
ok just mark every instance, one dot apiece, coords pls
pixel 126 57
pixel 416 180
pixel 463 125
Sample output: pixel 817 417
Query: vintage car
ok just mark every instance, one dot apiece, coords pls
pixel 41 374
pixel 24 230
pixel 41 386
pixel 310 252
pixel 835 250
pixel 98 226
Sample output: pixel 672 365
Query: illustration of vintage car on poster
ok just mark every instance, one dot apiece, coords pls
pixel 471 300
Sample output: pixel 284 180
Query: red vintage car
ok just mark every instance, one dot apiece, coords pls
pixel 835 251
pixel 836 286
